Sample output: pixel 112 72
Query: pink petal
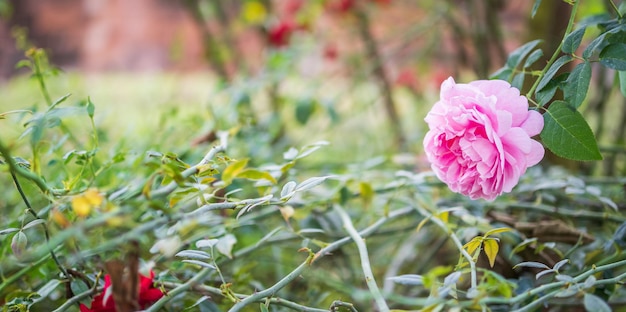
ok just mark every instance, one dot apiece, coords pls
pixel 533 123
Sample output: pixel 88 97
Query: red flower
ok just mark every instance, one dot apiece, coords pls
pixel 330 52
pixel 406 78
pixel 148 294
pixel 279 34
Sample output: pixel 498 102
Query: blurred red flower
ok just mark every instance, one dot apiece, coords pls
pixel 330 52
pixel 406 78
pixel 148 294
pixel 279 34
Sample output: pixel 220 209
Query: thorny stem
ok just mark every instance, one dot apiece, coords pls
pixel 321 253
pixel 217 292
pixel 365 262
pixel 557 52
pixel 77 298
pixel 190 284
pixel 554 287
pixel 43 224
pixel 454 238
pixel 615 8
pixel 15 277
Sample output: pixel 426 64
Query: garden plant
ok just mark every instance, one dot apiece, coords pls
pixel 498 196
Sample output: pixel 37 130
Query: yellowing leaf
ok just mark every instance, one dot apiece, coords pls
pixel 287 212
pixel 366 192
pixel 422 223
pixel 233 170
pixel 490 246
pixel 59 218
pixel 496 231
pixel 472 245
pixel 206 170
pixel 254 12
pixel 444 216
pixel 254 174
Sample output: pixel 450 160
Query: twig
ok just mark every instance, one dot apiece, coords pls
pixel 180 289
pixel 547 287
pixel 216 291
pixel 337 303
pixel 365 262
pixel 321 253
pixel 15 277
pixel 77 298
pixel 43 224
pixel 455 239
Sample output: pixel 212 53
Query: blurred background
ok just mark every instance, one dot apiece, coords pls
pixel 335 66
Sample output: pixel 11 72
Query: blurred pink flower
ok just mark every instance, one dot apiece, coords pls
pixel 479 142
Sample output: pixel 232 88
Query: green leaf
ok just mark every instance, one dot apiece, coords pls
pixel 503 73
pixel 567 134
pixel 535 7
pixel 622 82
pixel 59 101
pixel 263 307
pixel 547 93
pixel 254 174
pixel 552 71
pixel 18 244
pixel 304 110
pixel 572 41
pixel 577 84
pixel 594 303
pixel 614 56
pixel 225 245
pixel 531 264
pixel 490 246
pixel 533 57
pixel 233 170
pixel 518 80
pixel 516 57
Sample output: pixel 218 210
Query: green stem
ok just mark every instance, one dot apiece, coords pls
pixel 615 8
pixel 550 286
pixel 365 262
pixel 323 252
pixel 11 280
pixel 457 242
pixel 557 52
pixel 29 175
pixel 45 227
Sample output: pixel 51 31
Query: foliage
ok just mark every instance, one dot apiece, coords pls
pixel 246 218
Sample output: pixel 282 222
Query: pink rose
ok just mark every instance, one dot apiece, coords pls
pixel 479 142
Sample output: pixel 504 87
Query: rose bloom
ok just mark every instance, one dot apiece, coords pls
pixel 148 295
pixel 278 36
pixel 479 142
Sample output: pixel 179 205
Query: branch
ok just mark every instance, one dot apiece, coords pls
pixel 365 262
pixel 321 253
